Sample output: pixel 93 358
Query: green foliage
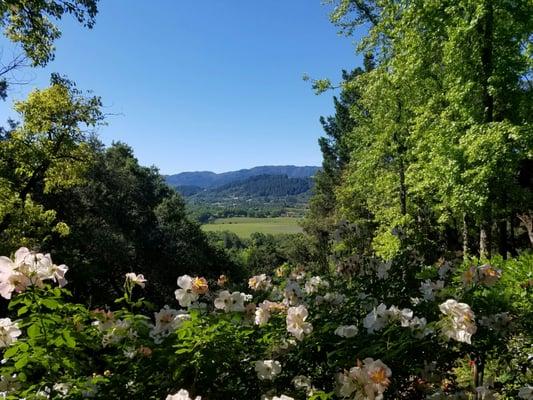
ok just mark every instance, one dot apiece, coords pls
pixel 429 142
pixel 67 351
pixel 52 350
pixel 101 211
pixel 209 212
pixel 263 253
pixel 320 220
pixel 45 153
pixel 256 196
pixel 265 186
pixel 29 23
pixel 125 217
pixel 440 134
pixel 209 356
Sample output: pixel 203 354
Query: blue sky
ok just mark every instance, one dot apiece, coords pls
pixel 205 85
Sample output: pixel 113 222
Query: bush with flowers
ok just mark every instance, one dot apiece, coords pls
pixel 372 331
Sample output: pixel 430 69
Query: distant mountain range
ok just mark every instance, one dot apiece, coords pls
pixel 267 191
pixel 265 187
pixel 188 181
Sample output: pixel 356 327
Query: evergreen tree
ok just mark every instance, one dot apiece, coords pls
pixel 321 218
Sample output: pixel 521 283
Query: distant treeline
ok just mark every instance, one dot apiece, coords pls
pixel 205 213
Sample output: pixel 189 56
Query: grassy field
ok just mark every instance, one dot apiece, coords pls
pixel 244 227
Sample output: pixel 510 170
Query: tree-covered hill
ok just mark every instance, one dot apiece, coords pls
pixel 256 196
pixel 208 179
pixel 188 190
pixel 261 186
pixel 279 190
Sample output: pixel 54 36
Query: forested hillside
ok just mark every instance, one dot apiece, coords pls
pixel 257 187
pixel 269 191
pixel 207 179
pixel 256 196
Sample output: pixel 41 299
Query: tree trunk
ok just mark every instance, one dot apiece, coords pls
pixel 402 149
pixel 503 241
pixel 487 60
pixel 483 243
pixel 487 31
pixel 512 240
pixel 5 222
pixel 403 190
pixel 485 236
pixel 323 250
pixel 527 221
pixel 466 251
pixel 479 374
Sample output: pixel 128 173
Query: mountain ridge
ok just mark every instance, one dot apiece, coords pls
pixel 209 179
pixel 266 187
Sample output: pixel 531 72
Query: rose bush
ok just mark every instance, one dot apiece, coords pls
pixel 382 330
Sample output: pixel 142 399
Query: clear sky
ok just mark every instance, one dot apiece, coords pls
pixel 205 85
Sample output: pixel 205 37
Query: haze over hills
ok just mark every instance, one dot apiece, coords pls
pixel 208 179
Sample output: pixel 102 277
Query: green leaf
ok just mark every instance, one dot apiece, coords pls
pixel 22 310
pixel 10 352
pixel 50 303
pixel 22 362
pixel 69 340
pixel 34 331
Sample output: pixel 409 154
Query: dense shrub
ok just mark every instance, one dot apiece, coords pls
pixel 462 331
